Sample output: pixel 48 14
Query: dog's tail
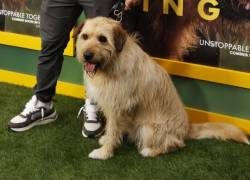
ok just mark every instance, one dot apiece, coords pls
pixel 221 131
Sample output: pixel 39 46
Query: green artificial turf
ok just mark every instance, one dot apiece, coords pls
pixel 58 151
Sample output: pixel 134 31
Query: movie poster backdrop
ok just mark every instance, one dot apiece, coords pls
pixel 21 19
pixel 207 32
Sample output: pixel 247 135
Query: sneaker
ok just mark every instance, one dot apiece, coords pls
pixel 93 120
pixel 35 113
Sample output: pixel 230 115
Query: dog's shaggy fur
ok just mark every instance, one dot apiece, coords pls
pixel 136 95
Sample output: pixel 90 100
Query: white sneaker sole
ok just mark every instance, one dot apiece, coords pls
pixel 47 120
pixel 96 136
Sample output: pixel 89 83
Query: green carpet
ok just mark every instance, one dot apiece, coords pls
pixel 59 152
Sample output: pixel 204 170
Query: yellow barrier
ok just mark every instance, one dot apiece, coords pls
pixel 78 91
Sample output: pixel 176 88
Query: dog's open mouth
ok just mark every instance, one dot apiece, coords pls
pixel 90 68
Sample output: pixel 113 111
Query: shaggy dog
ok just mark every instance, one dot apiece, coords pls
pixel 136 95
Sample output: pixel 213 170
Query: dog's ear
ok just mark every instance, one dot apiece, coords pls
pixel 77 30
pixel 120 37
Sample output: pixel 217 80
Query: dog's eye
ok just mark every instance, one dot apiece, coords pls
pixel 102 39
pixel 85 36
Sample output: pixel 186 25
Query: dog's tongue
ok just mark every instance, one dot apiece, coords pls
pixel 90 67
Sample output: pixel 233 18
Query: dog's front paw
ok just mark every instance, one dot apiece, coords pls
pixel 100 153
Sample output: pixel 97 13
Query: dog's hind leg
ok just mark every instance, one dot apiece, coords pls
pixel 153 143
pixel 144 139
pixel 170 144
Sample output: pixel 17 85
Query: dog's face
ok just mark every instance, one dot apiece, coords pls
pixel 99 42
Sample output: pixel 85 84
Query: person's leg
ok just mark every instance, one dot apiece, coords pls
pixel 57 19
pixel 93 8
pixel 103 7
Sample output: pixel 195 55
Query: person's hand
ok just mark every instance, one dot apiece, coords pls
pixel 130 3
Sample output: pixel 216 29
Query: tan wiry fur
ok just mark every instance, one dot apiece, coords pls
pixel 137 96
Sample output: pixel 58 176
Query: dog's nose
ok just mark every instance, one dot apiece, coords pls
pixel 88 56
